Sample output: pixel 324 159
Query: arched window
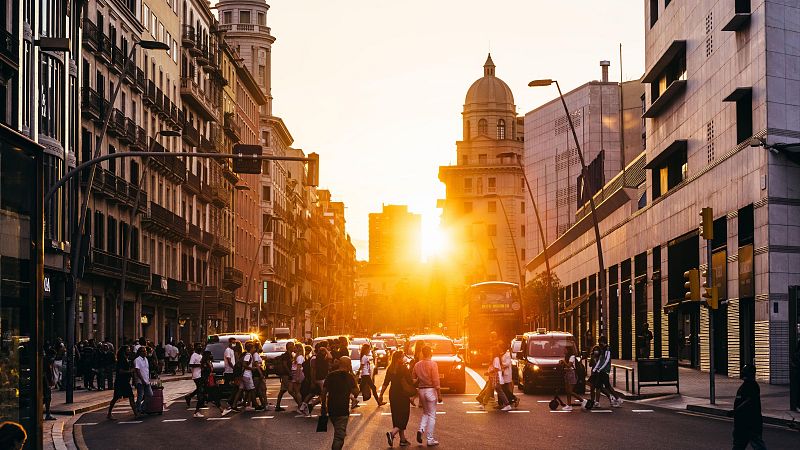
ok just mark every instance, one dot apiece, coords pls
pixel 483 127
pixel 501 129
pixel 467 130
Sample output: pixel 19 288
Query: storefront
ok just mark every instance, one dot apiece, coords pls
pixel 21 272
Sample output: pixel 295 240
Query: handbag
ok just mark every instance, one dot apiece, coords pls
pixel 406 388
pixel 322 423
pixel 211 381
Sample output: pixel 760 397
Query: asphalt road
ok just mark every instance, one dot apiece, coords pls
pixel 459 425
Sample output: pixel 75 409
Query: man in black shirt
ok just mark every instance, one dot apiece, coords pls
pixel 747 421
pixel 336 391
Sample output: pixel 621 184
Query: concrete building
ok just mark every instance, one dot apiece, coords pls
pixel 717 75
pixel 485 193
pixel 395 238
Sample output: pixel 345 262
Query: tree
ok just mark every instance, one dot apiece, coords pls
pixel 535 299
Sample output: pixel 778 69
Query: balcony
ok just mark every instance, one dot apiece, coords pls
pixel 232 128
pixel 117 59
pixel 8 55
pixel 159 287
pixel 219 196
pixel 149 96
pixel 205 191
pixel 160 105
pixel 213 143
pixel 164 221
pixel 130 132
pixel 192 183
pixel 139 143
pixel 202 57
pixel 190 135
pixel 232 278
pixel 245 28
pixel 207 239
pixel 188 36
pixel 177 286
pixel 130 73
pixel 104 264
pixel 140 85
pixel 104 46
pixel 172 167
pixel 195 98
pixel 89 35
pixel 116 126
pixel 221 246
pixel 91 104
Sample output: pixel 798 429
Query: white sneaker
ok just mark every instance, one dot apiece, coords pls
pixel 432 442
pixel 620 401
pixel 506 408
pixel 226 411
pixel 567 408
pixel 198 415
pixel 303 408
pixel 583 404
pixel 481 408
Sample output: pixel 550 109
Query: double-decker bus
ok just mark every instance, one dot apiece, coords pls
pixel 491 306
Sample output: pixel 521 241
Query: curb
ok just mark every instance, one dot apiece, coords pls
pixel 718 412
pixel 100 404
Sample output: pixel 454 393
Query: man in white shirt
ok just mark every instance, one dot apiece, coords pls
pixel 172 357
pixel 229 361
pixel 141 375
pixel 194 364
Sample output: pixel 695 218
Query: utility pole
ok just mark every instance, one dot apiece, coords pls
pixel 709 294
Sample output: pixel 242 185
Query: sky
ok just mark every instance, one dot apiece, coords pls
pixel 377 87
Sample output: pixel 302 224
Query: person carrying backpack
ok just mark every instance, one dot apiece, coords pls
pixel 283 368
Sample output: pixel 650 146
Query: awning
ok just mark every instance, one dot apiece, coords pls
pixel 675 48
pixel 658 160
pixel 576 303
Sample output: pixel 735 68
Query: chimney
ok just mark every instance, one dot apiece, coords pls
pixel 604 65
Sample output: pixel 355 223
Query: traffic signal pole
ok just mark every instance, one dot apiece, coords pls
pixel 711 312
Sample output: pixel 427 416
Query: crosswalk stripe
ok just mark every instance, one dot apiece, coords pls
pixel 263 417
pixel 192 409
pixel 642 410
pixel 129 422
pixel 87 424
pixel 441 412
pixel 518 411
pixel 542 401
pixel 476 412
pixel 355 415
pixel 218 418
pixel 559 411
pixel 386 414
pixel 174 420
pixel 470 403
pixel 600 410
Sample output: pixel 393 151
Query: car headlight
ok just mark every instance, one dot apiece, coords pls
pixel 458 367
pixel 474 352
pixel 535 367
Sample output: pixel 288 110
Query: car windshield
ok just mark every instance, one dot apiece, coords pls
pixel 440 346
pixel 273 347
pixel 217 350
pixel 549 347
pixel 378 345
pixel 516 346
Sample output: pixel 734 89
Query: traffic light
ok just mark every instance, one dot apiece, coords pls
pixel 247 165
pixel 707 223
pixel 710 293
pixel 312 179
pixel 692 285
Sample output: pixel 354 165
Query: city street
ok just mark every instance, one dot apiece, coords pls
pixel 459 425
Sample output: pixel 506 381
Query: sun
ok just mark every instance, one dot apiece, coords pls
pixel 435 242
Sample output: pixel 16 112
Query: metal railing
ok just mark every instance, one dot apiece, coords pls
pixel 630 377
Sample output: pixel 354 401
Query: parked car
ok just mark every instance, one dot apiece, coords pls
pixel 452 369
pixel 390 339
pixel 270 351
pixel 381 353
pixel 538 361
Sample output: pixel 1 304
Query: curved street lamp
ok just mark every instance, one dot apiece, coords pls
pixel 588 184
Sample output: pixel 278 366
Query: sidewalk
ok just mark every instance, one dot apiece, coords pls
pixel 694 395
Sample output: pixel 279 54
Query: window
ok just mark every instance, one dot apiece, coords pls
pixel 467 207
pixel 266 193
pixel 483 127
pixel 464 160
pixel 467 185
pixel 653 12
pixel 522 230
pixel 492 253
pixel 492 207
pixel 265 255
pixel 51 84
pixel 482 159
pixel 112 163
pixel 522 254
pixel 670 170
pixel 262 18
pixel 227 17
pixel 744 117
pixel 492 184
pixel 467 130
pixel 145 16
pixel 99 230
pixel 501 129
pixel 522 207
pixel 491 230
pixel 112 235
pixel 244 16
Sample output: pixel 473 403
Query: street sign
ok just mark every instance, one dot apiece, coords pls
pixel 246 165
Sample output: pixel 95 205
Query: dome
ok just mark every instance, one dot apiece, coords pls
pixel 489 91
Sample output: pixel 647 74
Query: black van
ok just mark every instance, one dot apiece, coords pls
pixel 538 361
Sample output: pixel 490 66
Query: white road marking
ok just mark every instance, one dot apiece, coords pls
pixel 518 411
pixel 219 418
pixel 600 410
pixel 559 411
pixel 543 401
pixel 203 408
pixel 471 403
pixel 355 415
pixel 441 412
pixel 263 417
pixel 478 379
pixel 477 412
pixel 386 414
pixel 642 410
pixel 86 424
pixel 130 421
pixel 174 420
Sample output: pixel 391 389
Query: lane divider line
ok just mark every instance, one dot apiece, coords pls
pixel 129 422
pixel 642 410
pixel 219 418
pixel 518 411
pixel 477 412
pixel 471 403
pixel 600 410
pixel 441 412
pixel 560 411
pixel 86 424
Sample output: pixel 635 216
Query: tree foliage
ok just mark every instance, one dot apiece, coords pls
pixel 535 292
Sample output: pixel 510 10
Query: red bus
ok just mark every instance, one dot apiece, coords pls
pixel 491 306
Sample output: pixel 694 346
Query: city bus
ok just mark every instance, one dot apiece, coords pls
pixel 491 306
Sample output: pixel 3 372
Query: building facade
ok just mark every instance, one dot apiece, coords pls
pixel 395 237
pixel 484 208
pixel 700 125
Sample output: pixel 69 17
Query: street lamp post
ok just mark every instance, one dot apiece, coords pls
pixel 78 236
pixel 126 243
pixel 588 186
pixel 548 286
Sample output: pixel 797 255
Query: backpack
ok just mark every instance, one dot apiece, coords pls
pixel 321 367
pixel 283 366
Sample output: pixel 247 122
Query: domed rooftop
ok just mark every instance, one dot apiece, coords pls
pixel 489 91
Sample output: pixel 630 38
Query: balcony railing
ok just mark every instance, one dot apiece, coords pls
pixel 192 183
pixel 149 96
pixel 232 278
pixel 116 127
pixel 219 196
pixel 244 27
pixel 205 191
pixel 104 47
pixel 207 239
pixel 202 57
pixel 159 102
pixel 190 135
pixel 140 140
pixel 89 34
pixel 231 127
pixel 165 221
pixel 130 132
pixel 140 84
pixel 91 104
pixel 177 286
pixel 187 37
pixel 171 166
pixel 103 263
pixel 196 98
pixel 117 59
pixel 221 245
